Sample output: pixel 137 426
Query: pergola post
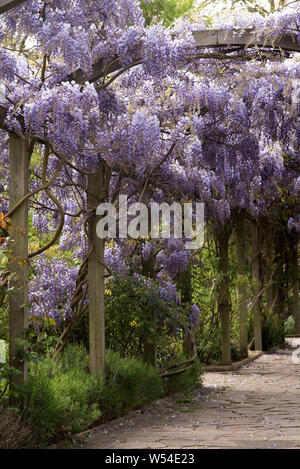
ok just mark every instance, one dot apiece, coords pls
pixel 19 158
pixel 242 284
pixel 224 304
pixel 96 276
pixel 256 285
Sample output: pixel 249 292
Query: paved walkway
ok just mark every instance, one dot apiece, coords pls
pixel 257 406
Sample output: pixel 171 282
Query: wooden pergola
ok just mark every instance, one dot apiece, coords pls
pixel 6 5
pixel 228 41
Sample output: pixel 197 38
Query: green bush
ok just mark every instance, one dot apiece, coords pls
pixel 272 332
pixel 289 326
pixel 129 383
pixel 62 397
pixel 184 382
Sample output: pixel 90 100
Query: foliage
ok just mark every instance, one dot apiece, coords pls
pixel 272 332
pixel 165 11
pixel 4 289
pixel 135 310
pixel 289 326
pixel 185 382
pixel 169 125
pixel 129 383
pixel 62 397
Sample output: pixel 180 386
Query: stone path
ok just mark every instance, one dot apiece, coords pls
pixel 257 406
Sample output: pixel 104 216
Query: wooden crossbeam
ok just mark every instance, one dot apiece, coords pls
pixel 204 39
pixel 6 5
pixel 222 37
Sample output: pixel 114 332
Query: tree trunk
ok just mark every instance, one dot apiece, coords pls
pixel 224 303
pixel 19 158
pixel 96 277
pixel 242 285
pixel 256 286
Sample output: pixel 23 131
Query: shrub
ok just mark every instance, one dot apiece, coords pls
pixel 272 332
pixel 62 397
pixel 184 382
pixel 289 326
pixel 129 383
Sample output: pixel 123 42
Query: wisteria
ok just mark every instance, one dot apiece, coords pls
pixel 164 124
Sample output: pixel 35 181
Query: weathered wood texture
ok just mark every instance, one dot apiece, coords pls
pixel 223 37
pixel 242 284
pixel 6 5
pixel 19 176
pixel 205 38
pixel 256 285
pixel 269 254
pixel 96 277
pixel 224 304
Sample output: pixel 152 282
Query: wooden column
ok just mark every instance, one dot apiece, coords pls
pixel 149 340
pixel 184 284
pixel 256 285
pixel 224 304
pixel 19 158
pixel 96 277
pixel 269 241
pixel 242 285
pixel 280 284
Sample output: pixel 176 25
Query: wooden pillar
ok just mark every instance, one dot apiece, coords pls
pixel 19 159
pixel 184 284
pixel 269 267
pixel 242 284
pixel 224 304
pixel 150 340
pixel 280 286
pixel 256 285
pixel 148 270
pixel 96 277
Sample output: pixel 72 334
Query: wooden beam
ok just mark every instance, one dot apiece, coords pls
pixel 6 5
pixel 204 39
pixel 224 37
